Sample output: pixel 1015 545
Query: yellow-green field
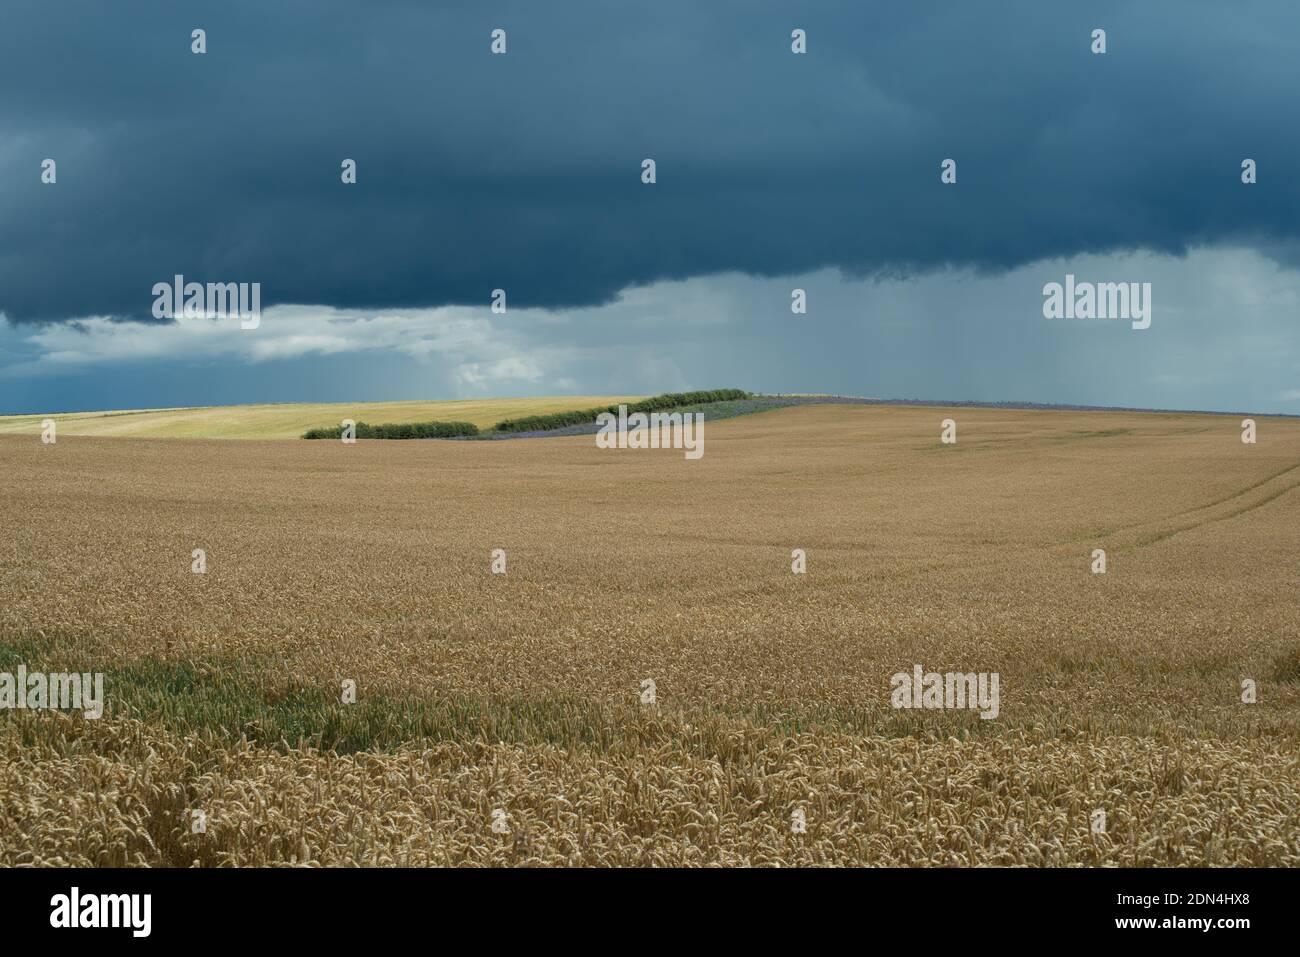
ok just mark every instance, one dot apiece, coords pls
pixel 521 693
pixel 290 421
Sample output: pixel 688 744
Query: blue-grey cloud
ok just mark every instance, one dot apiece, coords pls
pixel 522 171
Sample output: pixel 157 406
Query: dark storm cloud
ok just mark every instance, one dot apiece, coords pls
pixel 523 171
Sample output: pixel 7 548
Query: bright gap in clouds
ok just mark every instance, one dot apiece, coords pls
pixel 1223 336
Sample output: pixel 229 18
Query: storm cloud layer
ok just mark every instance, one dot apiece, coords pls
pixel 522 171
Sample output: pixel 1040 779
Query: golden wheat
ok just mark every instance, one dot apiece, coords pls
pixel 327 562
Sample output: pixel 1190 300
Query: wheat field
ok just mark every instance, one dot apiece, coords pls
pixel 499 718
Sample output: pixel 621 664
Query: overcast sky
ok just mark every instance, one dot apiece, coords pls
pixel 775 171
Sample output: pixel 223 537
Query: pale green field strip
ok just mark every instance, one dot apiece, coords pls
pixel 289 421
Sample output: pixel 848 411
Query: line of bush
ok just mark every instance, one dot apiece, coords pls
pixel 669 400
pixel 532 423
pixel 399 430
